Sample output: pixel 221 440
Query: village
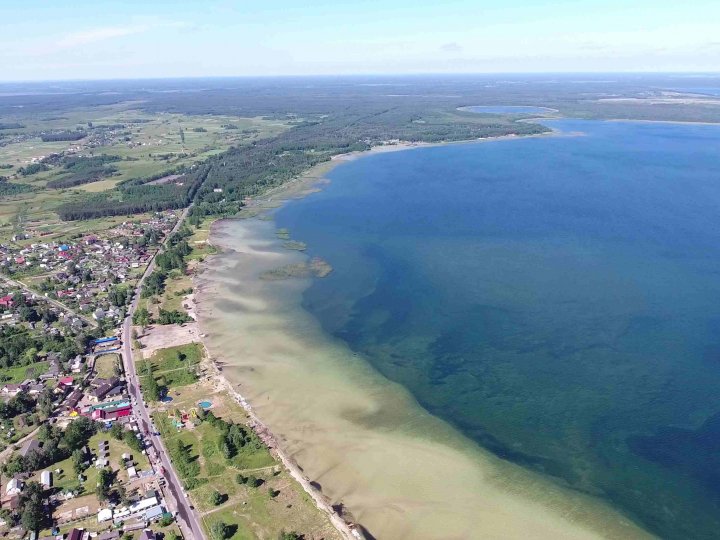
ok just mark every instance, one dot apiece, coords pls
pixel 89 457
pixel 91 275
pixel 72 447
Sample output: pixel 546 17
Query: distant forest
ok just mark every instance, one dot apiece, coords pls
pixel 330 116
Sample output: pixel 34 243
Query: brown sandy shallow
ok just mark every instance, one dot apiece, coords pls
pixel 400 471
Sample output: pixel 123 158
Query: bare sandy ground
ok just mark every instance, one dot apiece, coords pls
pixel 401 472
pixel 163 336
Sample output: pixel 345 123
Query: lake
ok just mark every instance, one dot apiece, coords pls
pixel 557 299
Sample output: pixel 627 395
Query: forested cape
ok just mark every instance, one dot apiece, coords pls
pixel 331 115
pixel 320 128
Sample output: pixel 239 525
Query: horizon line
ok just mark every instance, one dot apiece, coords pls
pixel 360 74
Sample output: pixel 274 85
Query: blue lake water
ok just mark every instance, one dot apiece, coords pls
pixel 508 109
pixel 707 90
pixel 557 299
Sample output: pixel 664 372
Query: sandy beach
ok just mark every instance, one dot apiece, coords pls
pixel 363 440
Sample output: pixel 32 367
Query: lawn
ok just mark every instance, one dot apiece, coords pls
pixel 178 357
pixel 105 365
pixel 18 374
pixel 250 511
pixel 175 291
pixel 173 366
pixel 67 478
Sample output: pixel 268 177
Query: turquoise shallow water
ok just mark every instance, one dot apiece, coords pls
pixel 557 299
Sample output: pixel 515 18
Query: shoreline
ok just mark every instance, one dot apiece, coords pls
pixel 346 528
pixel 299 187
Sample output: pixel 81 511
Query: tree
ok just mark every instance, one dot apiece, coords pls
pixel 79 432
pixel 241 479
pixel 45 402
pixel 141 317
pixel 219 530
pixel 252 481
pixel 151 388
pixel 216 498
pixel 117 431
pixel 78 460
pixel 32 515
pixel 290 536
pixel 132 441
pixel 273 493
pixel 104 482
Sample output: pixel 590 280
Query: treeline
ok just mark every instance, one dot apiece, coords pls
pixel 63 136
pixel 20 347
pixel 11 125
pixel 329 127
pixel 182 169
pixel 234 438
pixel 132 199
pixel 84 170
pixel 8 189
pixel 32 169
pixel 172 258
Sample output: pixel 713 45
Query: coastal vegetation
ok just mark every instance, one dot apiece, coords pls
pixel 230 475
pixel 315 267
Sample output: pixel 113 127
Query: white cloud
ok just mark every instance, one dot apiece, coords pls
pixel 451 47
pixel 95 35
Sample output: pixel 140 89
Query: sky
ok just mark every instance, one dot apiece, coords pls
pixel 110 39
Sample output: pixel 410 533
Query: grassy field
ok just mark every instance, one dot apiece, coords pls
pixel 18 374
pixel 67 479
pixel 105 365
pixel 174 366
pixel 148 145
pixel 251 512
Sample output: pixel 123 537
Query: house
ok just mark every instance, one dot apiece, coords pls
pixel 74 398
pixel 7 301
pixel 147 534
pixel 46 479
pixel 143 505
pixel 102 391
pixel 66 381
pixel 76 364
pixel 76 534
pixel 32 445
pixel 109 535
pixel 105 514
pixel 12 390
pixel 53 371
pixel 35 388
pixel 14 487
pixel 156 512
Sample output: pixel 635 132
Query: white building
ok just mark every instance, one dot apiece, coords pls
pixel 46 479
pixel 14 487
pixel 105 514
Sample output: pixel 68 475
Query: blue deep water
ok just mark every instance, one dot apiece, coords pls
pixel 557 299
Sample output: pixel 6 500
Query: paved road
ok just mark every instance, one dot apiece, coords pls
pixel 187 517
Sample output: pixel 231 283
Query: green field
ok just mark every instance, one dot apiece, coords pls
pixel 105 365
pixel 174 366
pixel 18 374
pixel 148 145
